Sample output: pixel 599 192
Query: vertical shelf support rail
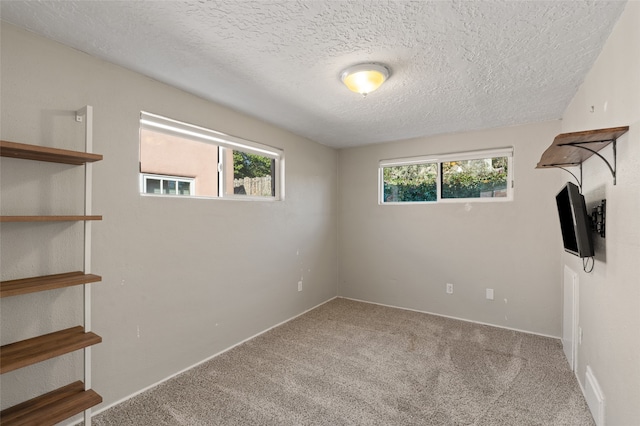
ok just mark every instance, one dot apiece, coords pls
pixel 86 114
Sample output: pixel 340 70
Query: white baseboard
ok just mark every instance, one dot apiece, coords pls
pixel 451 317
pixel 594 396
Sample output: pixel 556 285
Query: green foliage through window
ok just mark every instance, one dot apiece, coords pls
pixel 250 165
pixel 253 175
pixel 469 178
pixel 411 183
pixel 475 178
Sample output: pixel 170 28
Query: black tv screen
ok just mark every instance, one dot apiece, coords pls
pixel 575 222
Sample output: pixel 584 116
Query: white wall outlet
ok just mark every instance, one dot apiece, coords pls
pixel 489 293
pixel 449 288
pixel 299 285
pixel 579 335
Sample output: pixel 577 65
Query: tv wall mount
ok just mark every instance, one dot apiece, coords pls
pixel 572 149
pixel 598 218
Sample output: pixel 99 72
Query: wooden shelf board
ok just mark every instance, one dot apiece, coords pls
pixel 27 352
pixel 562 153
pixel 43 153
pixel 52 407
pixel 48 218
pixel 46 282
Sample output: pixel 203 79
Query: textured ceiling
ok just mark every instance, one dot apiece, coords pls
pixel 456 65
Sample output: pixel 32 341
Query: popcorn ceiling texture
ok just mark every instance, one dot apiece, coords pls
pixel 456 66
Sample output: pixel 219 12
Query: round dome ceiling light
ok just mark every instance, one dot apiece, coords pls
pixel 364 78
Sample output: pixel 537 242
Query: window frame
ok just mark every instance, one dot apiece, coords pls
pixel 223 141
pixel 444 158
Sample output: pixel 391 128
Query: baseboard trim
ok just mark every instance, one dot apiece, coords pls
pixel 595 398
pixel 582 389
pixel 120 401
pixel 451 317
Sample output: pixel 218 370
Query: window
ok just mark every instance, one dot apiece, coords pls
pixel 410 183
pixel 181 159
pixel 467 176
pixel 172 185
pixel 478 178
pixel 253 174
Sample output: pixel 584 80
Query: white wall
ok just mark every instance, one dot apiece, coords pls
pixel 176 286
pixel 609 308
pixel 182 278
pixel 403 255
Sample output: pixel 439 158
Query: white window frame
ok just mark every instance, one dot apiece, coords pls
pixel 444 158
pixel 156 122
pixel 145 176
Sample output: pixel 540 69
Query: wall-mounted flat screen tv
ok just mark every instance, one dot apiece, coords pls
pixel 575 222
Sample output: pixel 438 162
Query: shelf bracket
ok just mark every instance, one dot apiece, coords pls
pixel 574 176
pixel 611 169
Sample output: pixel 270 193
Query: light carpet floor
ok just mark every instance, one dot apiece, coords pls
pixel 353 363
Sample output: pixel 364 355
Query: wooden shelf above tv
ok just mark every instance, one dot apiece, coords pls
pixel 31 351
pixel 52 407
pixel 45 282
pixel 43 153
pixel 572 149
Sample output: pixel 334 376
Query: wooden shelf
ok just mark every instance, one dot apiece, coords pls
pixel 67 401
pixel 43 153
pixel 567 150
pixel 46 282
pixel 48 218
pixel 27 352
pixel 572 149
pixel 52 407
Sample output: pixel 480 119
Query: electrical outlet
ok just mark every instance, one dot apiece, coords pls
pixel 299 285
pixel 580 335
pixel 449 288
pixel 489 293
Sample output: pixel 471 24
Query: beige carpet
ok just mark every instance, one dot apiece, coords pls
pixel 352 363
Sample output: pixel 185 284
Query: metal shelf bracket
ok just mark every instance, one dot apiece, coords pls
pixel 579 180
pixel 581 146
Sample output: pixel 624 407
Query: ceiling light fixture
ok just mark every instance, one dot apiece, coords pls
pixel 364 78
